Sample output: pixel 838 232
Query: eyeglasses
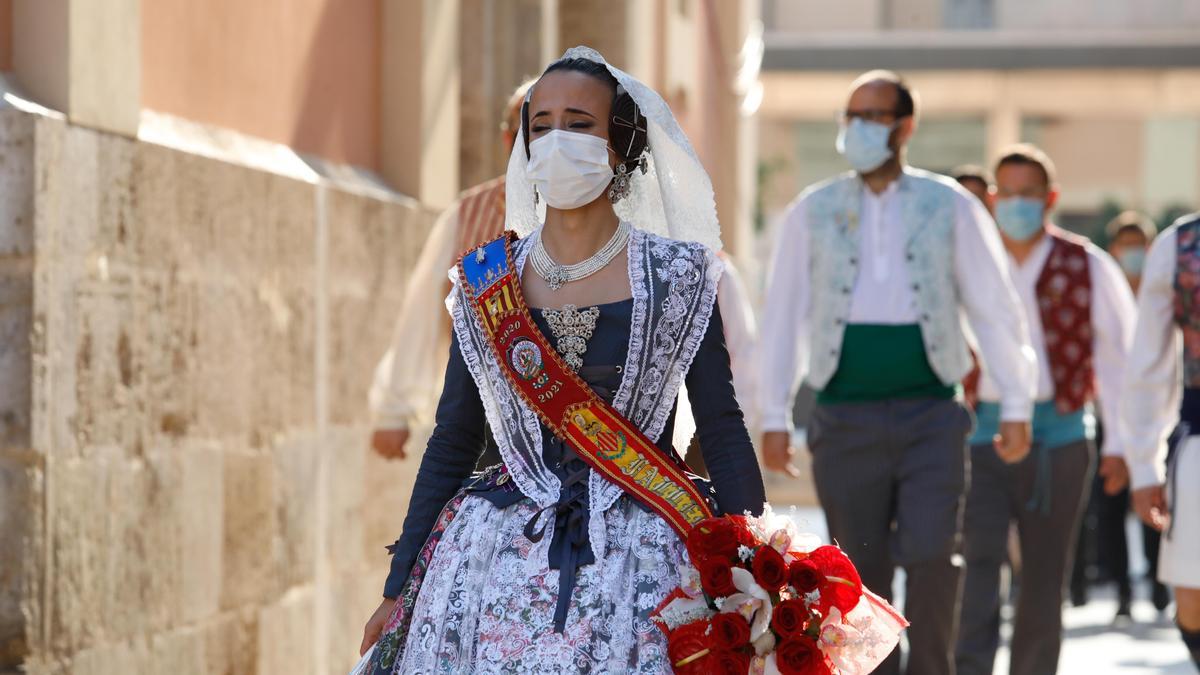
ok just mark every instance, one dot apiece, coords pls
pixel 869 115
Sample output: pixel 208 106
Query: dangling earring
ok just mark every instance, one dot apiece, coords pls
pixel 620 185
pixel 535 197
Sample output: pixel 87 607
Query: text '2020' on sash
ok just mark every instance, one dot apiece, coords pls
pixel 603 438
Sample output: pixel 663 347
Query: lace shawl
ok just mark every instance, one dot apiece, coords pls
pixel 674 287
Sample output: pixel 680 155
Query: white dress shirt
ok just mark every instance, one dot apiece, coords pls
pixel 407 382
pixel 1112 316
pixel 1154 370
pixel 882 294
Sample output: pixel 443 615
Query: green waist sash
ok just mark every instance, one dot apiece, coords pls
pixel 883 361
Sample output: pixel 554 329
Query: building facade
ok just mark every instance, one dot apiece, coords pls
pixel 1111 90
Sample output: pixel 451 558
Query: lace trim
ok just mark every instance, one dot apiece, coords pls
pixel 689 274
pixel 515 427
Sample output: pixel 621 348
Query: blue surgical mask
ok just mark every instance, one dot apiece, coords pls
pixel 864 144
pixel 1020 218
pixel 1132 260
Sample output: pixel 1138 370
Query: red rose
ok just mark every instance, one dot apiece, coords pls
pixel 790 618
pixel 732 663
pixel 805 577
pixel 716 577
pixel 742 530
pixel 800 656
pixel 730 631
pixel 842 587
pixel 690 649
pixel 770 570
pixel 713 537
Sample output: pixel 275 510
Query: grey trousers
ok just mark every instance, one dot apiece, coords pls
pixel 891 477
pixel 1000 494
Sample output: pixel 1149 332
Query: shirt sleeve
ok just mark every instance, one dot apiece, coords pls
pixel 741 337
pixel 728 453
pixel 404 388
pixel 1152 392
pixel 1113 313
pixel 783 345
pixel 450 457
pixel 993 308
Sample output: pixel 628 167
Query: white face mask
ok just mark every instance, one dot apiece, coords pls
pixel 569 169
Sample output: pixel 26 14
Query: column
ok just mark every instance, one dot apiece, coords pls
pixel 81 58
pixel 1003 121
pixel 722 131
pixel 1171 163
pixel 421 74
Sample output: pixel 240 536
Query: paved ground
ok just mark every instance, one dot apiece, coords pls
pixel 1093 645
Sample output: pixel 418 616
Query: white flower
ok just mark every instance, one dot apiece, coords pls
pixel 752 602
pixel 812 597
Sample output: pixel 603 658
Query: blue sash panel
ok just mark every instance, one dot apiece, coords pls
pixel 1050 428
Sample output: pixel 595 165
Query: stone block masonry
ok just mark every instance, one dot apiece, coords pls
pixel 185 348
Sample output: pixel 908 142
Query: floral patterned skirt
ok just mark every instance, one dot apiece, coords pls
pixel 486 602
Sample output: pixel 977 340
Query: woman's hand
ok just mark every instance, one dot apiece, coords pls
pixel 375 624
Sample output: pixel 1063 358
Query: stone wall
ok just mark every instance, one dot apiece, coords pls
pixel 185 347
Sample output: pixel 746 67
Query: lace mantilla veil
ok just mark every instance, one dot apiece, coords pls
pixel 673 199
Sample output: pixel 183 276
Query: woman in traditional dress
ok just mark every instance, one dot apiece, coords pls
pixel 548 563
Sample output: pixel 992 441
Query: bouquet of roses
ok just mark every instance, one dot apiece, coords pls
pixel 761 598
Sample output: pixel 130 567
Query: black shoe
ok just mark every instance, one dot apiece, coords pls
pixel 1079 593
pixel 1160 595
pixel 1124 604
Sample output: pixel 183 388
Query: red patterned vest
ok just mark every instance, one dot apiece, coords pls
pixel 480 214
pixel 1187 295
pixel 1064 296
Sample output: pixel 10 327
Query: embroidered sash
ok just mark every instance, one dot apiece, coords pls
pixel 604 439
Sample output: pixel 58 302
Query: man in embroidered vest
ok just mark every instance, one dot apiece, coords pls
pixel 871 275
pixel 1080 314
pixel 406 384
pixel 1166 349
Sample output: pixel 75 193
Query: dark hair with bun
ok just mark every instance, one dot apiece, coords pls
pixel 626 125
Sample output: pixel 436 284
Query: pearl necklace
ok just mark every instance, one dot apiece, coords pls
pixel 557 275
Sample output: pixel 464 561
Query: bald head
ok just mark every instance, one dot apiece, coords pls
pixel 889 86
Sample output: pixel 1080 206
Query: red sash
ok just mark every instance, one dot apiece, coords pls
pixel 602 437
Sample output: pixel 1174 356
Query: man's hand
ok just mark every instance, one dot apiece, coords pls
pixel 1115 474
pixel 1151 506
pixel 777 453
pixel 389 443
pixel 375 624
pixel 1012 443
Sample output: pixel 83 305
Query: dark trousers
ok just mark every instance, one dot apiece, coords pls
pixel 1103 542
pixel 1001 493
pixel 891 477
pixel 1112 542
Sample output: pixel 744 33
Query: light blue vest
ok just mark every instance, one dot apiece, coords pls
pixel 928 215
